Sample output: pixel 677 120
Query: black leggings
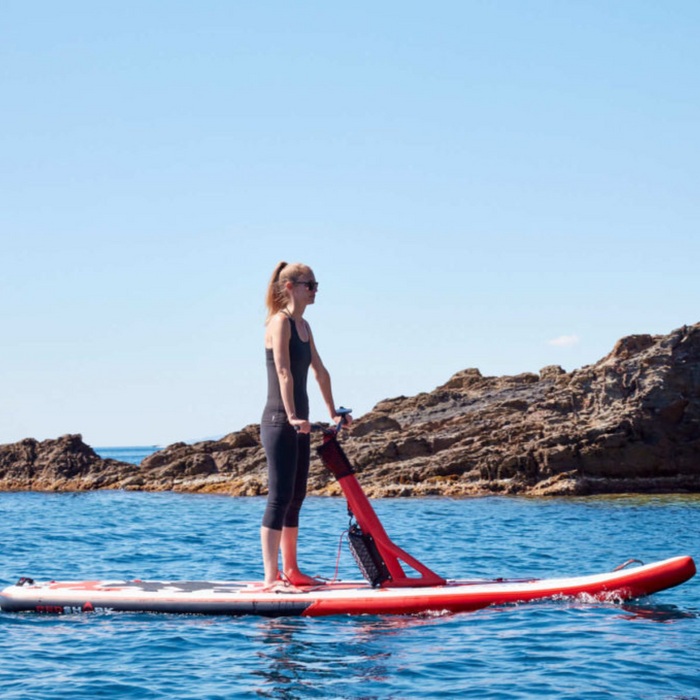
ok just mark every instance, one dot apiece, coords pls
pixel 288 454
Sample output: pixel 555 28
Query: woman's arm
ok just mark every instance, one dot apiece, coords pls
pixel 323 378
pixel 280 334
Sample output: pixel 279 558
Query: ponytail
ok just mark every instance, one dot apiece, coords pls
pixel 276 298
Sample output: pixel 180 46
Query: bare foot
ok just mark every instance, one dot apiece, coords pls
pixel 297 578
pixel 281 587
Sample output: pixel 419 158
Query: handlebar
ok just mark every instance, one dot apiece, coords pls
pixel 333 429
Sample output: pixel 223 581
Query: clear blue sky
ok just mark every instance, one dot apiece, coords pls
pixel 470 181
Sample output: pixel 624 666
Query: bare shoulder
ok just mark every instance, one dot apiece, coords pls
pixel 279 323
pixel 277 327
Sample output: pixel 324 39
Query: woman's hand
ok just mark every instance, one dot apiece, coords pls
pixel 301 426
pixel 345 419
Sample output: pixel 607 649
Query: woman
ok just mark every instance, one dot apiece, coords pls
pixel 285 427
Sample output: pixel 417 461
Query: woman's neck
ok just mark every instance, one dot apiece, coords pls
pixel 295 311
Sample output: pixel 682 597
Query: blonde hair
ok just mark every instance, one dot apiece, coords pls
pixel 276 298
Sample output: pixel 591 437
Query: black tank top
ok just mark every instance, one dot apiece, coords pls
pixel 299 361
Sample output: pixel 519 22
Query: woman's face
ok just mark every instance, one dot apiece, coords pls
pixel 304 289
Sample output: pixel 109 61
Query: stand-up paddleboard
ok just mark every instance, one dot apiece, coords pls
pixel 389 588
pixel 242 598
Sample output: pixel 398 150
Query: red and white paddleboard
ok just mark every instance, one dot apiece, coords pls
pixel 341 598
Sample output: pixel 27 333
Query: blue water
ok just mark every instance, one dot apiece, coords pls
pixel 132 455
pixel 646 649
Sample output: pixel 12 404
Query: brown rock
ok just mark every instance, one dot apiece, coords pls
pixel 64 464
pixel 551 372
pixel 374 422
pixel 631 422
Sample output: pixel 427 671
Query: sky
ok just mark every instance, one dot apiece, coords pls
pixel 495 184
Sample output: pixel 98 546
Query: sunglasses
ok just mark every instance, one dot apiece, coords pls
pixel 311 286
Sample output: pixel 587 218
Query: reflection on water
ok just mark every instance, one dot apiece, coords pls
pixel 663 500
pixel 298 660
pixel 656 613
pixel 302 658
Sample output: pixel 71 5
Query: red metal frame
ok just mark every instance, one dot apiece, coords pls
pixel 336 461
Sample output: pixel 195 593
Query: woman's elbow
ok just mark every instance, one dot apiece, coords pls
pixel 283 374
pixel 323 375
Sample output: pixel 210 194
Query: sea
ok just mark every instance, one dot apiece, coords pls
pixel 647 648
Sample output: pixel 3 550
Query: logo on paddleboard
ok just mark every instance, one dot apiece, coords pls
pixel 72 609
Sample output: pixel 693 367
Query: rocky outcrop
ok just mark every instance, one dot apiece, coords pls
pixel 629 423
pixel 64 464
pixel 235 465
